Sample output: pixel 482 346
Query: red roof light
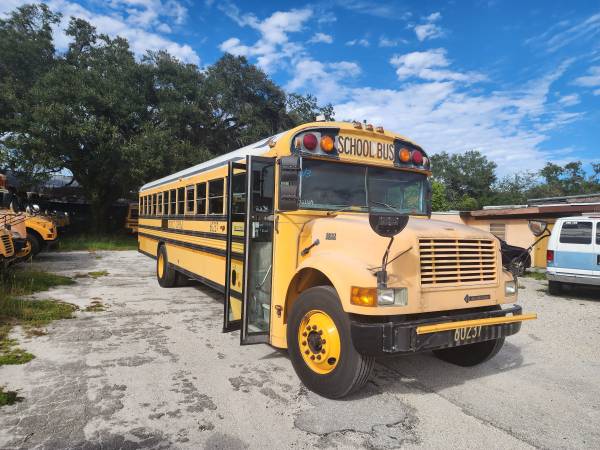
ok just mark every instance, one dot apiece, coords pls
pixel 417 157
pixel 310 141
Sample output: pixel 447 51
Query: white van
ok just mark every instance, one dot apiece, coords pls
pixel 574 252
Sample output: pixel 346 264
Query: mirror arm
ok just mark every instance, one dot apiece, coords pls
pixel 382 274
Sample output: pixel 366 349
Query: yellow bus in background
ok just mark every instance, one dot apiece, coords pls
pixel 131 220
pixel 321 241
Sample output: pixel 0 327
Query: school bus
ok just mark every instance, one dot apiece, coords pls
pixel 131 221
pixel 7 250
pixel 13 225
pixel 42 233
pixel 321 241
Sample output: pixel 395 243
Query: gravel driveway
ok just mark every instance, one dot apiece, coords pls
pixel 154 370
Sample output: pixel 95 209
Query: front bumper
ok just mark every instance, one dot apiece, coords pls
pixel 593 280
pixel 411 336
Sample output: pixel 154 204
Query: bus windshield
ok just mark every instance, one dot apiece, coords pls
pixel 328 185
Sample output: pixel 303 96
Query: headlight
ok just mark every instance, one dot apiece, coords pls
pixel 510 288
pixel 392 297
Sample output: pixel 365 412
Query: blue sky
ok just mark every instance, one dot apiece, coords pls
pixel 519 81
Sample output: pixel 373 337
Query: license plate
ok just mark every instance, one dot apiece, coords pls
pixel 467 333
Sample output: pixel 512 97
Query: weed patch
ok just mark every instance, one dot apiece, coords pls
pixel 8 397
pixel 541 276
pixel 98 274
pixel 92 243
pixel 95 306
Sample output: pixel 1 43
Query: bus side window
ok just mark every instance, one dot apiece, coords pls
pixel 159 208
pixel 189 199
pixel 215 196
pixel 172 202
pixel 201 198
pixel 154 201
pixel 180 200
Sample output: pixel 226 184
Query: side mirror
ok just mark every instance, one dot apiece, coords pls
pixel 35 209
pixel 289 183
pixel 538 227
pixel 387 225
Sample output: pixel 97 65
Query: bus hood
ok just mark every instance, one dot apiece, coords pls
pixel 349 238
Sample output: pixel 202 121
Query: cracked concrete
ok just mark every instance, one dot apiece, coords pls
pixel 154 371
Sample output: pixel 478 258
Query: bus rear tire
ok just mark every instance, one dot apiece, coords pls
pixel 320 345
pixel 471 354
pixel 555 287
pixel 165 273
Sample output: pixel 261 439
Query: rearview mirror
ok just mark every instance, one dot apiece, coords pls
pixel 387 225
pixel 538 227
pixel 289 183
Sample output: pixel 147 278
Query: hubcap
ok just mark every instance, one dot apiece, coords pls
pixel 161 265
pixel 319 341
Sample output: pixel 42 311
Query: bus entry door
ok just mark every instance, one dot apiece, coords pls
pixel 234 259
pixel 258 249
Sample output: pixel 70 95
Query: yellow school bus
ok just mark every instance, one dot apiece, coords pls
pixel 131 221
pixel 321 241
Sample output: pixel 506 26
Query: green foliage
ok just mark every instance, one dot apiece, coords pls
pixel 438 197
pixel 467 177
pixel 26 282
pixel 304 108
pixel 94 242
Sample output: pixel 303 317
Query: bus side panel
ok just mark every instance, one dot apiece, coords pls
pixel 148 245
pixel 206 265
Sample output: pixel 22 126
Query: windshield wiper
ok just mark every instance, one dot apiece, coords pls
pixel 344 208
pixel 387 206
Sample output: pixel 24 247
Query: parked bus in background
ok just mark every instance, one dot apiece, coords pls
pixel 14 224
pixel 131 221
pixel 321 240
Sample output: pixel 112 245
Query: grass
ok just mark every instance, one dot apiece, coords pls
pixel 95 306
pixel 98 274
pixel 30 314
pixel 8 397
pixel 541 276
pixel 94 243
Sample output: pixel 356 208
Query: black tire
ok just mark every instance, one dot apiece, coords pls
pixel 35 242
pixel 555 287
pixel 352 370
pixel 169 274
pixel 470 354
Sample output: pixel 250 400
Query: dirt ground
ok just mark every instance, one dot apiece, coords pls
pixel 154 370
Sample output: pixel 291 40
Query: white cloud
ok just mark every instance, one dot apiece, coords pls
pixel 507 126
pixel 274 45
pixel 569 100
pixel 430 65
pixel 321 37
pixel 136 20
pixel 361 42
pixel 429 29
pixel 323 79
pixel 387 42
pixel 565 33
pixel 591 79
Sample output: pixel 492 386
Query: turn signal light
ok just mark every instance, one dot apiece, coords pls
pixel 310 141
pixel 405 155
pixel 327 144
pixel 363 296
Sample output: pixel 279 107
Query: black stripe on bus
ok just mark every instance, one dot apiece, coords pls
pixel 209 218
pixel 202 248
pixel 205 234
pixel 200 278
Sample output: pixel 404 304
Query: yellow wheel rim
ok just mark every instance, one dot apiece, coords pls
pixel 319 341
pixel 161 265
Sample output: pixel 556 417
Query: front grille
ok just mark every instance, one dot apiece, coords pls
pixel 8 245
pixel 457 261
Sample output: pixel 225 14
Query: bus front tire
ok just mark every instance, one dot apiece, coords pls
pixel 165 273
pixel 320 345
pixel 470 354
pixel 35 242
pixel 555 287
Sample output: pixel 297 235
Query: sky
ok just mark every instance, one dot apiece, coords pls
pixel 517 80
